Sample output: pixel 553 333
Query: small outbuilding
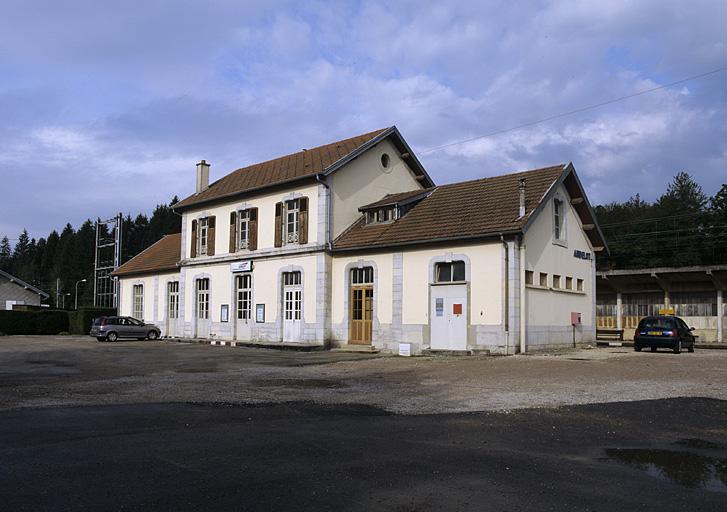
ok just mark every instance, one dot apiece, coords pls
pixel 16 291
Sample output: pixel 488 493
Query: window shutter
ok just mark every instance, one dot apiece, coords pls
pixel 193 248
pixel 278 224
pixel 252 230
pixel 233 232
pixel 303 221
pixel 211 236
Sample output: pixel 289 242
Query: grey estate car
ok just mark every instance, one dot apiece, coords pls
pixel 111 328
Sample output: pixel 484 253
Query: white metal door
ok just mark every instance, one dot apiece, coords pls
pixel 202 308
pixel 292 306
pixel 448 313
pixel 243 307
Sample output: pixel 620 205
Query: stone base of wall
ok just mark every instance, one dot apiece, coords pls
pixel 542 338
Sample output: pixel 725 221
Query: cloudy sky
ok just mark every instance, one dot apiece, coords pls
pixel 106 106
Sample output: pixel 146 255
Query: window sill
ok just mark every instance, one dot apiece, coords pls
pixel 444 283
pixel 551 289
pixel 561 243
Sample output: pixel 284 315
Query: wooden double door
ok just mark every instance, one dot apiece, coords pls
pixel 361 313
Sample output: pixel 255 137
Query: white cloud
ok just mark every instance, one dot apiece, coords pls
pixel 133 97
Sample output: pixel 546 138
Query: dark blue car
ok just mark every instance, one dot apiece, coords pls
pixel 663 332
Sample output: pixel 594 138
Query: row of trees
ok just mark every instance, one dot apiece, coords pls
pixel 682 227
pixel 69 256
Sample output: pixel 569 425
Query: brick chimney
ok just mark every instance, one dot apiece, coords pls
pixel 203 176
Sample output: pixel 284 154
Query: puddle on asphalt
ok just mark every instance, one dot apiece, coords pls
pixel 688 469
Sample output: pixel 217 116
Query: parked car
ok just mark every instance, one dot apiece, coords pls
pixel 111 328
pixel 663 332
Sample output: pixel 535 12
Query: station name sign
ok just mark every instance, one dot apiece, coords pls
pixel 241 266
pixel 582 255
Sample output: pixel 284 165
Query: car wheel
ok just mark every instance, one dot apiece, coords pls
pixel 99 338
pixel 112 336
pixel 678 347
pixel 653 349
pixel 153 335
pixel 691 348
pixel 637 348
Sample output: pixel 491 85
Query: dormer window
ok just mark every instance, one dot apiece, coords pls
pixel 380 215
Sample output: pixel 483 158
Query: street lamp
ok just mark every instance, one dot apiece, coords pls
pixel 81 281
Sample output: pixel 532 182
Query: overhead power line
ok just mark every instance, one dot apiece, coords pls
pixel 575 111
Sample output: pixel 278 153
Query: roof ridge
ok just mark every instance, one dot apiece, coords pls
pixel 305 150
pixel 486 178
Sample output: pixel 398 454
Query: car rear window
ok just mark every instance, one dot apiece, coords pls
pixel 97 321
pixel 657 323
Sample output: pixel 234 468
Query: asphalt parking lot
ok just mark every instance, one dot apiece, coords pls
pixel 168 426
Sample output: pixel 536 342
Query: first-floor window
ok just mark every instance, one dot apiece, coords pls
pixel 202 236
pixel 243 229
pixel 243 287
pixel 139 301
pixel 449 272
pixel 173 301
pixel 290 222
pixel 203 298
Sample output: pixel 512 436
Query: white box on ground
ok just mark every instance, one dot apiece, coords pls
pixel 405 349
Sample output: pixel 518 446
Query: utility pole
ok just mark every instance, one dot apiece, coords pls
pixel 58 291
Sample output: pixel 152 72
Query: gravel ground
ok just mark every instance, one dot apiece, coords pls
pixel 61 371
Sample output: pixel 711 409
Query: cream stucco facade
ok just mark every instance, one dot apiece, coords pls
pixel 307 293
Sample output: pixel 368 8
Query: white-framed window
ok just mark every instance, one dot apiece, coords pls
pixel 556 281
pixel 243 229
pixel 203 298
pixel 579 284
pixel 202 236
pixel 138 295
pixel 568 283
pixel 529 276
pixel 173 299
pixel 448 272
pixel 362 276
pixel 290 221
pixel 559 220
pixel 291 278
pixel 243 287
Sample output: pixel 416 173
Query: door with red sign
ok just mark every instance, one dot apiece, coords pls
pixel 448 314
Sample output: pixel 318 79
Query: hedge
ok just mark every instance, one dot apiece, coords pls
pixel 80 321
pixel 33 322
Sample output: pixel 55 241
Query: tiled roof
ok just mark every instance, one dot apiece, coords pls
pixel 469 209
pixel 161 256
pixel 304 163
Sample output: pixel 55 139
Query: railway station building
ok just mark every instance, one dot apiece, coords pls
pixel 353 244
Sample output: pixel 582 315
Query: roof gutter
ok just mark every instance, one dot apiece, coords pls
pixel 494 235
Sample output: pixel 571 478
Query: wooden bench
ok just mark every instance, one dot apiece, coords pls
pixel 610 334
